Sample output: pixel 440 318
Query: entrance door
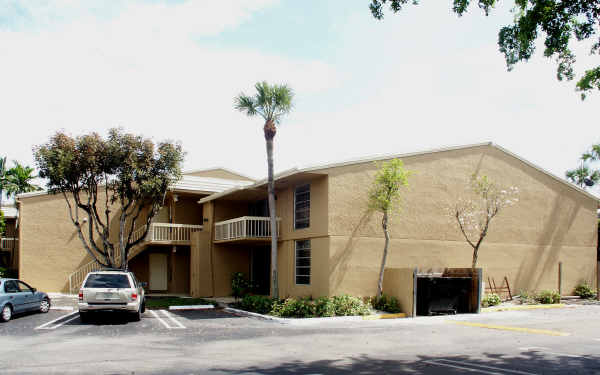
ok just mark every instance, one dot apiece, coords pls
pixel 158 271
pixel 260 270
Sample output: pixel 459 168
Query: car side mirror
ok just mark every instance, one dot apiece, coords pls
pixel 33 290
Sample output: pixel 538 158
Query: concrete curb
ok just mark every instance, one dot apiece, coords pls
pixel 309 321
pixel 62 308
pixel 525 307
pixel 384 316
pixel 192 307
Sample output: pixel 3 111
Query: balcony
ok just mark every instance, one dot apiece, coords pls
pixel 168 234
pixel 245 228
pixel 8 243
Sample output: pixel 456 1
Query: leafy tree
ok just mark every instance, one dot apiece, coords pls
pixel 559 21
pixel 475 211
pixel 271 102
pixel 123 171
pixel 384 197
pixel 20 180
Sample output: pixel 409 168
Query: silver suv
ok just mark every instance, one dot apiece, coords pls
pixel 111 290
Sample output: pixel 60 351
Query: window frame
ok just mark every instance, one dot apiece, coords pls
pixel 309 267
pixel 295 202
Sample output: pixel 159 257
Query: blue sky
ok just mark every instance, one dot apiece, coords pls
pixel 421 79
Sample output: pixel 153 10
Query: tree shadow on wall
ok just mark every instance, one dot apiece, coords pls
pixel 340 263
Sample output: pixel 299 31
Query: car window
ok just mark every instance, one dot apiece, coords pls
pixel 97 280
pixel 23 287
pixel 10 287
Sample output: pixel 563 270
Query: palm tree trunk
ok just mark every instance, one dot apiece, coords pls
pixel 384 224
pixel 272 214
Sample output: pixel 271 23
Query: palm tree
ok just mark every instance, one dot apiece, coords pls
pixel 3 179
pixel 20 179
pixel 271 103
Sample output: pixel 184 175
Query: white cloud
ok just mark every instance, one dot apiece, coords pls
pixel 143 70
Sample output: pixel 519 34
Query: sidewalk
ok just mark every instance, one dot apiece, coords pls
pixel 62 301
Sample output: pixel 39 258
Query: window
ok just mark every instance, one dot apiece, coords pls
pixel 24 287
pixel 303 262
pixel 97 280
pixel 10 286
pixel 302 207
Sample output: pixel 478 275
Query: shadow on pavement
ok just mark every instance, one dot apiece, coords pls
pixel 527 362
pixel 104 318
pixel 203 314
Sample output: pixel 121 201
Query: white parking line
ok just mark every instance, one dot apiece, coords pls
pixel 165 313
pixel 160 319
pixel 45 325
pixel 541 349
pixel 475 367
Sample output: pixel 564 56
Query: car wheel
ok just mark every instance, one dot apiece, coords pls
pixel 144 306
pixel 45 305
pixel 84 316
pixel 6 313
pixel 137 316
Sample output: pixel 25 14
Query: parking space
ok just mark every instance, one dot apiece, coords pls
pixel 116 323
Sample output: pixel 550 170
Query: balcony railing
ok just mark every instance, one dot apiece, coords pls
pixel 9 243
pixel 164 233
pixel 245 227
pixel 171 233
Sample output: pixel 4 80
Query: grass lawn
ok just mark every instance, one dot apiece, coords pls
pixel 165 302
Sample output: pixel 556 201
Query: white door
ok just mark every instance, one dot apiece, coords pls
pixel 158 271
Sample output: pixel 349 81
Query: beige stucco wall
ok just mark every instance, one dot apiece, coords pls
pixel 319 279
pixel 552 222
pixel 49 247
pixel 399 283
pixel 318 210
pixel 201 276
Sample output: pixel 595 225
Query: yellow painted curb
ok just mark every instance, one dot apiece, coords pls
pixel 517 329
pixel 526 307
pixel 384 316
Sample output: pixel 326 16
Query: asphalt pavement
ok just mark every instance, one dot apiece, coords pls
pixel 556 341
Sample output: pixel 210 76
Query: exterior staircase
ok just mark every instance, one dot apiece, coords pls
pixel 159 233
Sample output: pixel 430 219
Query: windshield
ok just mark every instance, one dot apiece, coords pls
pixel 107 281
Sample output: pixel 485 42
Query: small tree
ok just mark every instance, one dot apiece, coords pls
pixel 475 211
pixel 384 197
pixel 124 172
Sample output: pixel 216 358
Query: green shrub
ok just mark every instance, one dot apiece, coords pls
pixel 386 303
pixel 258 304
pixel 3 272
pixel 491 299
pixel 548 296
pixel 321 307
pixel 584 290
pixel 239 285
pixel 346 305
pixel 324 307
pixel 525 297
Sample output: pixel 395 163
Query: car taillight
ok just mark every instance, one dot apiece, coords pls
pixel 80 295
pixel 134 296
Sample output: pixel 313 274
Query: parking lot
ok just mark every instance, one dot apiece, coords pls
pixel 560 341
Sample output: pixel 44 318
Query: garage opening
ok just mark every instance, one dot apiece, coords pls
pixel 454 291
pixel 450 291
